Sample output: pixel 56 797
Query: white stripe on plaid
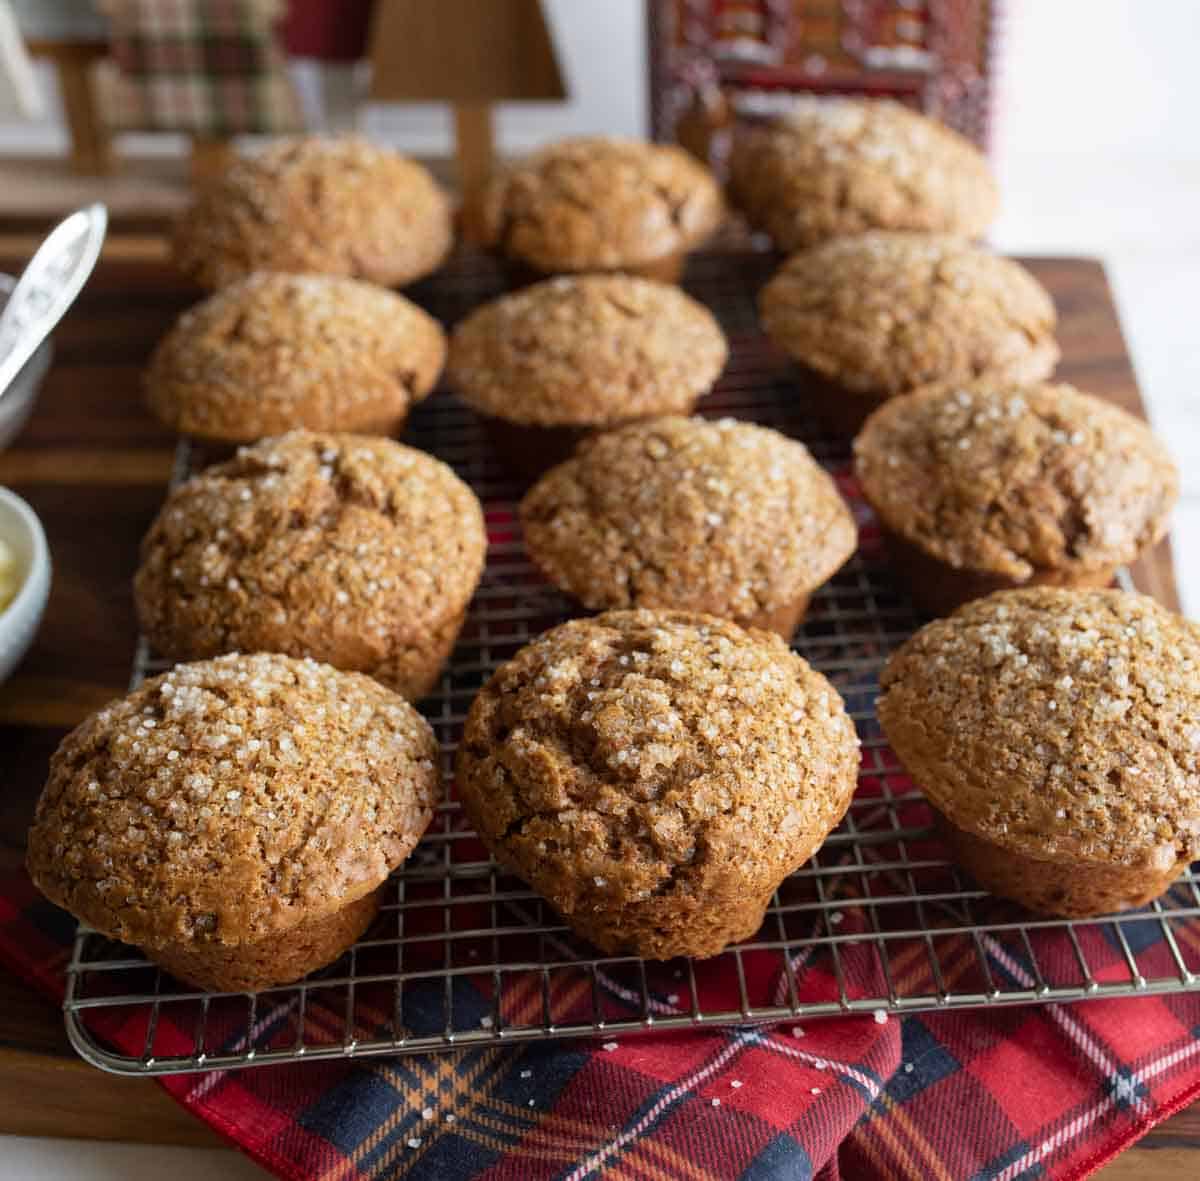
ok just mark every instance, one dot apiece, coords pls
pixel 865 1081
pixel 1085 1119
pixel 1067 1022
pixel 597 1159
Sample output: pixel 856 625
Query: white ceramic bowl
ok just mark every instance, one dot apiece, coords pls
pixel 17 405
pixel 22 532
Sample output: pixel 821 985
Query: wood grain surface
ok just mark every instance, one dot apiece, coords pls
pixel 93 465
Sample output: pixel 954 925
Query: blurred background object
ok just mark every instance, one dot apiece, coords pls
pixel 20 97
pixel 72 37
pixel 469 55
pixel 210 71
pixel 330 36
pixel 713 60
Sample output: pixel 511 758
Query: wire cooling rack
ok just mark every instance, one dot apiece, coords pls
pixel 463 956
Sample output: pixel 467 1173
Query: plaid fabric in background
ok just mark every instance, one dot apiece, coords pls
pixel 204 67
pixel 1037 1091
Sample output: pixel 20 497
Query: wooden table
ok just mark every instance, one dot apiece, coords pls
pixel 93 465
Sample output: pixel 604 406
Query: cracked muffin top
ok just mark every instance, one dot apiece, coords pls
pixel 1012 479
pixel 274 352
pixel 329 206
pixel 833 167
pixel 232 799
pixel 651 756
pixel 596 203
pixel 588 350
pixel 1059 723
pixel 350 548
pixel 882 314
pixel 723 517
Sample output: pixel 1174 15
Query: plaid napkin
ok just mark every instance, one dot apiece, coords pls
pixel 1039 1091
pixel 205 67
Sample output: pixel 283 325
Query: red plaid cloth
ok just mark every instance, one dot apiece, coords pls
pixel 1051 1091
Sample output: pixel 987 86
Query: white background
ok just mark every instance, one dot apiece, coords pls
pixel 1098 149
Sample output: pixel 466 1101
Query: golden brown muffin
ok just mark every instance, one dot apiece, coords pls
pixel 355 550
pixel 274 352
pixel 726 518
pixel 994 485
pixel 871 317
pixel 549 364
pixel 236 818
pixel 832 167
pixel 329 206
pixel 1056 733
pixel 599 204
pixel 655 775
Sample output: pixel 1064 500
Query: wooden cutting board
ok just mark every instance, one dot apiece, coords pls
pixel 94 465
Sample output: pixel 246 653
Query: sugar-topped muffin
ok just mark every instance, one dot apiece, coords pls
pixel 655 775
pixel 236 818
pixel 831 166
pixel 882 314
pixel 356 550
pixel 599 204
pixel 725 517
pixel 549 364
pixel 996 484
pixel 274 352
pixel 1057 734
pixel 318 205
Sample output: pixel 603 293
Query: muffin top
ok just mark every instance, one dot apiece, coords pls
pixel 883 313
pixel 722 517
pixel 350 543
pixel 1012 479
pixel 596 203
pixel 330 206
pixel 231 799
pixel 272 352
pixel 1063 724
pixel 832 167
pixel 646 752
pixel 586 350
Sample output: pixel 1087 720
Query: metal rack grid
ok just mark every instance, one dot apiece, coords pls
pixel 463 956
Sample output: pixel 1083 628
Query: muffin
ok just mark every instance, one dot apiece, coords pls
pixel 655 775
pixel 357 551
pixel 237 818
pixel 274 352
pixel 598 204
pixel 547 365
pixel 328 206
pixel 834 167
pixel 725 518
pixel 882 314
pixel 1055 734
pixel 994 485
